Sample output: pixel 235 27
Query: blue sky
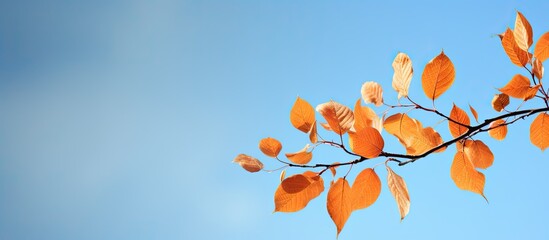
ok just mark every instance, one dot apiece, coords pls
pixel 120 119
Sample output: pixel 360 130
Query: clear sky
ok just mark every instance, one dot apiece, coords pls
pixel 120 119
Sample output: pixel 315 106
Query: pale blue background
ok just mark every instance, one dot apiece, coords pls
pixel 120 119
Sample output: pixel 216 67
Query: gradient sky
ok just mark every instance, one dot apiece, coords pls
pixel 120 119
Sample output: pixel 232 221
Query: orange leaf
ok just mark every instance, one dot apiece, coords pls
pixel 270 146
pixel 500 101
pixel 537 68
pixel 366 189
pixel 302 115
pixel 438 76
pixel 372 93
pixel 313 133
pixel 282 175
pixel 402 65
pixel 364 116
pixel 457 114
pixel 474 112
pixel 517 55
pixel 541 50
pixel 249 163
pixel 339 203
pixel 465 176
pixel 523 32
pixel 366 142
pixel 333 169
pixel 539 131
pixel 479 154
pixel 519 87
pixel 411 134
pixel 398 188
pixel 340 118
pixel 301 156
pixel 295 192
pixel 497 130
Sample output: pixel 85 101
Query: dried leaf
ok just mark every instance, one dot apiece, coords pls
pixel 519 87
pixel 457 114
pixel 366 142
pixel 474 112
pixel 539 131
pixel 438 76
pixel 517 55
pixel 537 69
pixel 479 154
pixel 339 203
pixel 302 115
pixel 295 192
pixel 366 189
pixel 364 116
pixel 465 176
pixel 402 65
pixel 412 135
pixel 333 169
pixel 249 163
pixel 282 175
pixel 270 146
pixel 523 32
pixel 500 101
pixel 326 126
pixel 372 93
pixel 541 50
pixel 340 118
pixel 313 135
pixel 497 130
pixel 398 188
pixel 301 156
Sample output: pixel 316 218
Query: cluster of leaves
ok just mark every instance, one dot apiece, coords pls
pixel 363 128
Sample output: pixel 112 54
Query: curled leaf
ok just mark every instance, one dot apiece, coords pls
pixel 249 163
pixel 295 192
pixel 519 87
pixel 539 131
pixel 500 101
pixel 282 175
pixel 537 69
pixel 340 118
pixel 438 76
pixel 474 112
pixel 497 130
pixel 301 156
pixel 372 93
pixel 402 65
pixel 398 188
pixel 313 135
pixel 339 203
pixel 270 146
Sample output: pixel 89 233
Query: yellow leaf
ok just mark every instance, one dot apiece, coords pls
pixel 517 55
pixel 295 192
pixel 249 163
pixel 497 130
pixel 479 154
pixel 500 101
pixel 364 116
pixel 541 50
pixel 398 188
pixel 438 76
pixel 302 115
pixel 366 189
pixel 465 176
pixel 340 118
pixel 402 65
pixel 339 203
pixel 301 156
pixel 519 87
pixel 372 93
pixel 270 146
pixel 539 131
pixel 457 114
pixel 313 133
pixel 366 142
pixel 474 112
pixel 523 32
pixel 537 68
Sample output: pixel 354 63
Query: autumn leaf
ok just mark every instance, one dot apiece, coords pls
pixel 519 87
pixel 333 169
pixel 366 189
pixel 302 115
pixel 438 76
pixel 398 188
pixel 282 175
pixel 465 176
pixel 541 50
pixel 500 101
pixel 458 115
pixel 523 32
pixel 339 203
pixel 402 65
pixel 411 134
pixel 372 93
pixel 301 156
pixel 313 135
pixel 340 118
pixel 270 147
pixel 474 112
pixel 364 116
pixel 517 55
pixel 366 142
pixel 497 130
pixel 249 163
pixel 537 69
pixel 539 131
pixel 479 154
pixel 295 192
